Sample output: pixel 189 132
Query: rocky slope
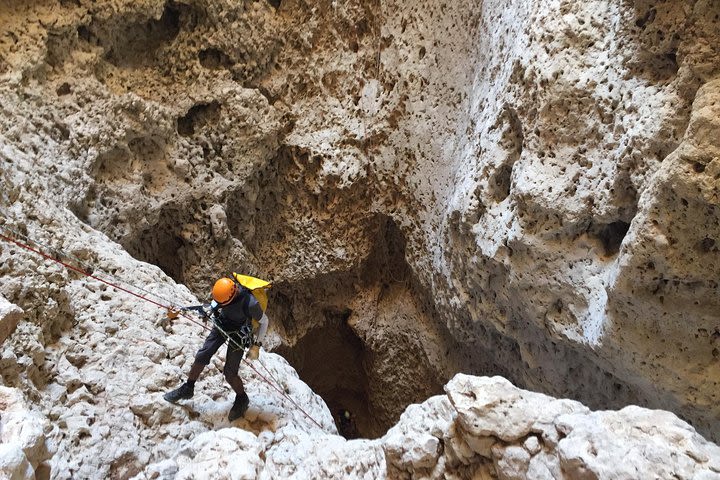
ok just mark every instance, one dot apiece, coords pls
pixel 526 189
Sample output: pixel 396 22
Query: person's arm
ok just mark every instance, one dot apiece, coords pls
pixel 264 322
pixel 254 351
pixel 254 310
pixel 257 314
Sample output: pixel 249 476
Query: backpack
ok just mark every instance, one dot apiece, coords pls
pixel 256 286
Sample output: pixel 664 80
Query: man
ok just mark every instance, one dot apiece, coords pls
pixel 346 424
pixel 233 309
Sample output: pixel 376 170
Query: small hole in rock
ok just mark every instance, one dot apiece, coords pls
pixel 63 89
pixel 612 235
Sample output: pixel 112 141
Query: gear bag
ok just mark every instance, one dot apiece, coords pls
pixel 256 286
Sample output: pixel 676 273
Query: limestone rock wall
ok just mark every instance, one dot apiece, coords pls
pixel 482 427
pixel 526 189
pixel 487 428
pixel 573 129
pixel 554 233
pixel 9 316
pixel 97 385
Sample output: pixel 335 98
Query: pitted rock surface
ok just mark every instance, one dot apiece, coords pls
pixel 24 449
pixel 525 189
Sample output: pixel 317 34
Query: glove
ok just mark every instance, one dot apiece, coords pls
pixel 254 351
pixel 172 314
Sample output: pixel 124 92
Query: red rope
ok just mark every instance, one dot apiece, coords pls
pixel 183 314
pixel 281 392
pixel 79 270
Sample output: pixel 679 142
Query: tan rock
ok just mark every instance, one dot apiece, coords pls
pixel 525 189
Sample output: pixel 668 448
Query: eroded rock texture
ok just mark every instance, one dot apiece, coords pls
pixel 23 446
pixel 527 189
pixel 487 428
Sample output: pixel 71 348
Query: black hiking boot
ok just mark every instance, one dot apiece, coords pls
pixel 239 407
pixel 183 392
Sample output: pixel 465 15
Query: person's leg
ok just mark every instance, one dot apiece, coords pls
pixel 212 343
pixel 195 371
pixel 232 365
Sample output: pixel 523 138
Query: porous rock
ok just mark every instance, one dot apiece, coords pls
pixel 557 438
pixel 526 189
pixel 23 444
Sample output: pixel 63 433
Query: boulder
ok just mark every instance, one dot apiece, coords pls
pixel 10 315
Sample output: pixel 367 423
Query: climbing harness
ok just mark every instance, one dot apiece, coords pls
pixel 90 272
pixel 243 337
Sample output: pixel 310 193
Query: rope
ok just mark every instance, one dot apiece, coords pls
pixel 167 307
pixel 230 339
pixel 88 268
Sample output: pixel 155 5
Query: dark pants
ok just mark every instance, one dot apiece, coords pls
pixel 234 356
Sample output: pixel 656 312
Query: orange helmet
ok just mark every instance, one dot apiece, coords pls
pixel 224 291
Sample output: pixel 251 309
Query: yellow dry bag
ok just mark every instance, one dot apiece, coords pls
pixel 256 286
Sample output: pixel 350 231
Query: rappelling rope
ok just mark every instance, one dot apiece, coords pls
pixel 88 268
pixel 145 298
pixel 274 385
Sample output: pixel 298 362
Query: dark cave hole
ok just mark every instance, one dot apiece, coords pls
pixel 707 244
pixel 160 250
pixel 199 115
pixel 63 89
pixel 214 59
pixel 161 244
pixel 335 360
pixel 645 19
pixel 501 182
pixel 329 358
pixel 84 33
pixel 512 141
pixel 612 235
pixel 275 3
pixel 137 40
pixel 665 65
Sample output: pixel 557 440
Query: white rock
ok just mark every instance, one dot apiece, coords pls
pixel 541 175
pixel 228 453
pixel 14 464
pixel 486 404
pixel 22 429
pixel 10 315
pixel 532 445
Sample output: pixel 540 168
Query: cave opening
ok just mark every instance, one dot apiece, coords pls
pixel 611 235
pixel 363 336
pixel 350 337
pixel 160 245
pixel 197 117
pixel 214 59
pixel 137 43
pixel 329 358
